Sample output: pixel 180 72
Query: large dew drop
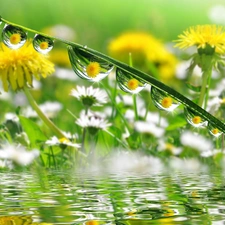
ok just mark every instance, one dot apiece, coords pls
pixel 88 66
pixel 13 37
pixel 194 119
pixel 128 83
pixel 42 44
pixel 163 101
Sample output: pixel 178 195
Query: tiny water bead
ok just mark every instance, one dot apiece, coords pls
pixel 163 101
pixel 42 44
pixel 13 37
pixel 128 83
pixel 88 66
pixel 194 119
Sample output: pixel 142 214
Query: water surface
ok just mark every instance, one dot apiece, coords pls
pixel 68 197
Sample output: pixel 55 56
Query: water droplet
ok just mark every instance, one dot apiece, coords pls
pixel 13 37
pixel 194 119
pixel 42 44
pixel 163 101
pixel 214 130
pixel 128 83
pixel 88 66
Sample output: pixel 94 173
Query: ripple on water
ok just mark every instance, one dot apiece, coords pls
pixel 75 198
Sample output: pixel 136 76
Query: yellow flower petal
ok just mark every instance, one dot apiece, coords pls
pixel 17 67
pixel 201 36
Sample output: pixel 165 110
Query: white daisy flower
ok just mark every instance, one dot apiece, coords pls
pixel 18 154
pixel 196 141
pixel 163 146
pixel 90 96
pixel 148 127
pixel 65 74
pixel 93 122
pixel 54 141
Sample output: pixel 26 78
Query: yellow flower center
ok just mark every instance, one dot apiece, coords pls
pixel 196 119
pixel 15 39
pixel 44 45
pixel 215 131
pixel 93 69
pixel 166 102
pixel 64 140
pixel 222 101
pixel 132 84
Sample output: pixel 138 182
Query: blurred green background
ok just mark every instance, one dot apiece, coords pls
pixel 97 21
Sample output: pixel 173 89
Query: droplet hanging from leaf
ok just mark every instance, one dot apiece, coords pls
pixel 13 37
pixel 214 130
pixel 42 44
pixel 163 101
pixel 194 119
pixel 88 66
pixel 128 83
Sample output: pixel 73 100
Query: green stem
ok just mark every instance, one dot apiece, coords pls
pixel 205 76
pixel 84 133
pixel 207 91
pixel 135 106
pixel 45 119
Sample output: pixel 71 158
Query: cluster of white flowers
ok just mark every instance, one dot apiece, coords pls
pixel 11 155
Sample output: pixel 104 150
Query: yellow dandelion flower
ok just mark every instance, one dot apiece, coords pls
pixel 145 49
pixel 203 36
pixel 15 38
pixel 17 67
pixel 93 69
pixel 166 102
pixel 196 119
pixel 60 57
pixel 132 84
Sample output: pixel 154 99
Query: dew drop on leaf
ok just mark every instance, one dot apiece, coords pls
pixel 42 44
pixel 13 37
pixel 214 130
pixel 194 119
pixel 163 101
pixel 128 83
pixel 88 66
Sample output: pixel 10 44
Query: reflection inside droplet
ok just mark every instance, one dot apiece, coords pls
pixel 194 119
pixel 13 37
pixel 214 130
pixel 128 83
pixel 42 44
pixel 88 66
pixel 163 101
